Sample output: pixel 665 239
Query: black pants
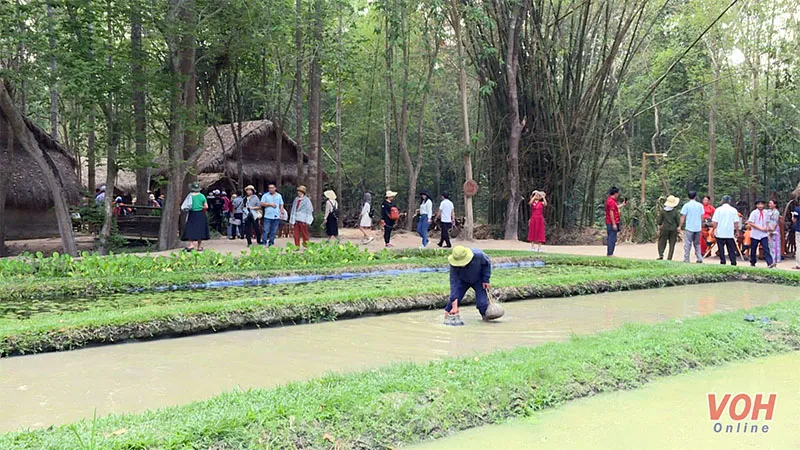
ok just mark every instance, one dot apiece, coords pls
pixel 445 234
pixel 730 244
pixel 250 225
pixel 754 250
pixel 387 233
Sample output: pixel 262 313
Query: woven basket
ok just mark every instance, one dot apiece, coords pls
pixel 494 310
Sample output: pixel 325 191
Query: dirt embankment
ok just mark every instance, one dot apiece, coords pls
pixel 73 338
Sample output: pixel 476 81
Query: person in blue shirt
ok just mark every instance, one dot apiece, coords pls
pixel 469 268
pixel 692 217
pixel 272 204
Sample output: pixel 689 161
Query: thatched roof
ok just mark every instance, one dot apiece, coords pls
pixel 260 159
pixel 27 188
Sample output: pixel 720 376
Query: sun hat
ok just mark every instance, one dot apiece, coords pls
pixel 460 257
pixel 250 186
pixel 301 188
pixel 425 193
pixel 329 194
pixel 216 191
pixel 118 199
pixel 194 187
pixel 672 201
pixel 152 197
pixel 391 193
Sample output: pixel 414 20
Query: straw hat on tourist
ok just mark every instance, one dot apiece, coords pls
pixel 460 257
pixel 195 187
pixel 250 188
pixel 329 194
pixel 672 201
pixel 301 188
pixel 391 194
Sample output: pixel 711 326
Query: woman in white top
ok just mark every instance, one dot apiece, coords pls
pixel 425 215
pixel 366 221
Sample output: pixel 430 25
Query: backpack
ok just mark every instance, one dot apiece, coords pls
pixel 334 212
pixel 394 213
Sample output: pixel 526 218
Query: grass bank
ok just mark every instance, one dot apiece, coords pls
pixel 63 276
pixel 156 315
pixel 404 404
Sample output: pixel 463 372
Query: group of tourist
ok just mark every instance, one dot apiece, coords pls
pixel 120 208
pixel 705 226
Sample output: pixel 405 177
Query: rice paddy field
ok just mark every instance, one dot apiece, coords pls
pixel 61 306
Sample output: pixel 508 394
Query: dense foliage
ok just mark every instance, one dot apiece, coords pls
pixel 369 90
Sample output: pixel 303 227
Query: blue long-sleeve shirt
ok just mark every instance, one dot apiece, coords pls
pixel 478 271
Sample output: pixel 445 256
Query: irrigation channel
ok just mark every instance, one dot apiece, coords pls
pixel 668 414
pixel 56 388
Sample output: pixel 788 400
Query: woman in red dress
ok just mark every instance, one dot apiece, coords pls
pixel 536 224
pixel 708 212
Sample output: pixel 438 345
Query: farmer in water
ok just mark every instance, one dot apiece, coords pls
pixel 469 268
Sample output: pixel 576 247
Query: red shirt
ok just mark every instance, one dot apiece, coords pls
pixel 708 211
pixel 612 211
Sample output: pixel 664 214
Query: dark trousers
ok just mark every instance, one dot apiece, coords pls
pixel 387 233
pixel 445 234
pixel 250 226
pixel 460 288
pixel 754 251
pixel 730 245
pixel 270 230
pixel 663 237
pixel 612 239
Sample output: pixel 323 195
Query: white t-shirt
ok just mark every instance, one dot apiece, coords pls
pixel 426 208
pixel 366 220
pixel 726 217
pixel 446 209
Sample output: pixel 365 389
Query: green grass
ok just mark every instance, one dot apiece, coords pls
pixel 404 404
pixel 63 276
pixel 142 316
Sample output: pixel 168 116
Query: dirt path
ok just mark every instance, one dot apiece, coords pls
pixel 408 240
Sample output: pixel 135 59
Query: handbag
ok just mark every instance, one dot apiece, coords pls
pixel 187 203
pixel 256 213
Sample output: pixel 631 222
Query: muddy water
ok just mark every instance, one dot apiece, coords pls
pixel 55 388
pixel 669 414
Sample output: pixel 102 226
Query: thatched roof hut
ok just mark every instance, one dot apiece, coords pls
pixel 27 188
pixel 218 165
pixel 29 201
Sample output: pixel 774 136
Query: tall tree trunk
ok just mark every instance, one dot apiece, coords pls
pixel 91 162
pixel 339 120
pixel 139 99
pixel 279 151
pixel 53 77
pixel 469 224
pixel 712 135
pixel 512 63
pixel 314 119
pixel 7 156
pixel 48 167
pixel 298 93
pixel 111 176
pixel 387 148
pixel 182 61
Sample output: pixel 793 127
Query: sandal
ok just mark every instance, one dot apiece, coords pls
pixel 188 249
pixel 200 250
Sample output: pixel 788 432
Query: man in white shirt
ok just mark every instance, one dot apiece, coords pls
pixel 692 217
pixel 759 234
pixel 446 217
pixel 726 223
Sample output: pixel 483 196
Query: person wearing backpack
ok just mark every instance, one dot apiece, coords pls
pixel 331 221
pixel 389 216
